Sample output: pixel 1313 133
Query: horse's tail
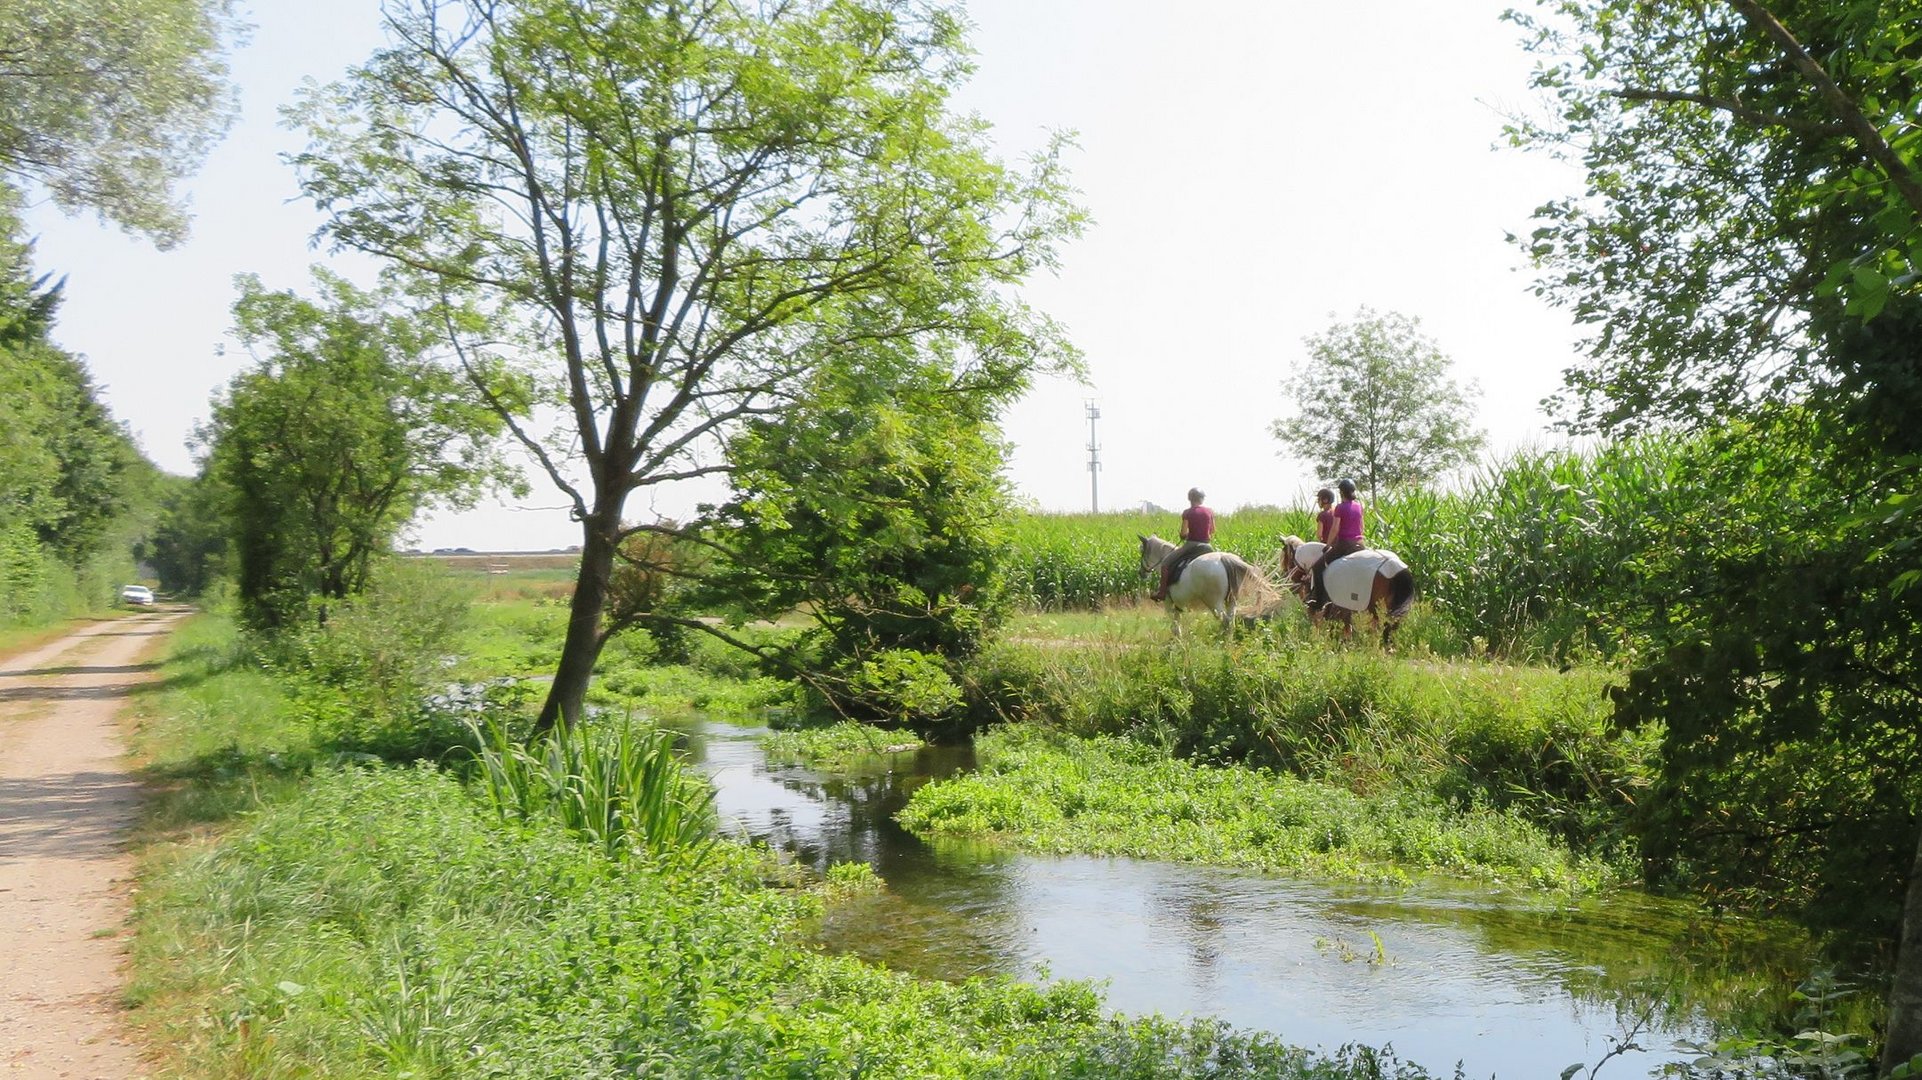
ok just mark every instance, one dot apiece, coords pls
pixel 1261 593
pixel 1401 594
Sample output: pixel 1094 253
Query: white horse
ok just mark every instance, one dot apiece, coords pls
pixel 1218 581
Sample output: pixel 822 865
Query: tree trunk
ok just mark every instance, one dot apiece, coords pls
pixel 1904 1037
pixel 568 692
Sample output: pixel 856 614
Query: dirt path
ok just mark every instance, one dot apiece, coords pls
pixel 67 799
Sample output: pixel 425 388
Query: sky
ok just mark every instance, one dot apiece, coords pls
pixel 1255 170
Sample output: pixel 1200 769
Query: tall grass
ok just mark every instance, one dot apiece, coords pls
pixel 620 787
pixel 1534 555
pixel 1077 561
pixel 1538 553
pixel 1532 740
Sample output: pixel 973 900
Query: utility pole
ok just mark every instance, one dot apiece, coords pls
pixel 1094 459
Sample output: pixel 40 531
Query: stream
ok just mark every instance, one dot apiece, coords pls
pixel 1507 984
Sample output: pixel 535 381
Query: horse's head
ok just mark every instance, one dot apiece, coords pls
pixel 1153 550
pixel 1288 545
pixel 1292 569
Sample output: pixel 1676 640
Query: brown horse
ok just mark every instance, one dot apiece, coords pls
pixel 1370 580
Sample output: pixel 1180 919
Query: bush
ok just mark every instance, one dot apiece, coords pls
pixel 1474 734
pixel 374 678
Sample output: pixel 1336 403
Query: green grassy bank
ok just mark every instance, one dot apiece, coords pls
pixel 307 909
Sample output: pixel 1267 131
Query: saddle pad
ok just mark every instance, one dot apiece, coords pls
pixel 1351 579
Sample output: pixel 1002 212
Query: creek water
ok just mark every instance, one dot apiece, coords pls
pixel 1504 984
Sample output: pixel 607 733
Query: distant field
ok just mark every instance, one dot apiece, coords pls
pixel 504 562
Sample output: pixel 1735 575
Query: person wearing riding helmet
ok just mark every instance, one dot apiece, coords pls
pixel 1197 529
pixel 1349 536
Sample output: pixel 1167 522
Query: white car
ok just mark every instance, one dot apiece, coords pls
pixel 137 596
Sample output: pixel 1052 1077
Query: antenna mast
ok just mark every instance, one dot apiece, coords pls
pixel 1094 459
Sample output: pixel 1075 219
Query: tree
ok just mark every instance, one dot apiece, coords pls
pixel 333 440
pixel 111 103
pixel 1375 402
pixel 675 212
pixel 62 456
pixel 189 543
pixel 1747 246
pixel 878 507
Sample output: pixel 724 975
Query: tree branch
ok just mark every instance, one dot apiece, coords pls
pixel 1851 116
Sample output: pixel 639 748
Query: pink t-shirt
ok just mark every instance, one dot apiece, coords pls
pixel 1198 524
pixel 1347 521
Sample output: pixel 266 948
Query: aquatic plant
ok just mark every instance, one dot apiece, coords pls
pixel 619 786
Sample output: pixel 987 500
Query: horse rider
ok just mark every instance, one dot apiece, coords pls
pixel 1197 529
pixel 1341 532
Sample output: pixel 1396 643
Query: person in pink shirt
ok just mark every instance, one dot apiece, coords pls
pixel 1197 529
pixel 1325 518
pixel 1349 535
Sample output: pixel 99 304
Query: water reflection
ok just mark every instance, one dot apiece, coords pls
pixel 1506 985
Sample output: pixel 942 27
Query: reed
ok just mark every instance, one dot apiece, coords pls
pixel 620 787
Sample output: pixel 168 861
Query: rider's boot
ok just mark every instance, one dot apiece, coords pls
pixel 1161 590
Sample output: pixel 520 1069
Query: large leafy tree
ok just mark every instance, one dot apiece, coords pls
pixel 878 507
pixel 1748 247
pixel 1375 401
pixel 109 104
pixel 677 211
pixel 62 456
pixel 330 443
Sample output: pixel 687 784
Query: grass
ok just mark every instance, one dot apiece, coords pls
pixel 333 915
pixel 385 924
pixel 1468 733
pixel 1049 792
pixel 838 747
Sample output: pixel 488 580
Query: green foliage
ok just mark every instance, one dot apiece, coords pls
pixel 327 447
pixel 109 104
pixel 1531 741
pixel 385 920
pixel 1374 402
pixel 837 746
pixel 620 788
pixel 189 545
pixel 1109 796
pixel 676 246
pixel 1747 246
pixel 1737 212
pixel 1783 675
pixel 1543 554
pixel 877 506
pixel 373 678
pixel 74 492
pixel 1816 1049
pixel 906 687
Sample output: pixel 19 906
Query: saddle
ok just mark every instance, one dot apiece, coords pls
pixel 1181 557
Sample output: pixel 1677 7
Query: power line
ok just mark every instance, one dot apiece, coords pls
pixel 1094 459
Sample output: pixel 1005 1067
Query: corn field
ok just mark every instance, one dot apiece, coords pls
pixel 1083 561
pixel 1537 552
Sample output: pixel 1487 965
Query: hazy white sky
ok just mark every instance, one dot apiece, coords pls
pixel 1255 169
